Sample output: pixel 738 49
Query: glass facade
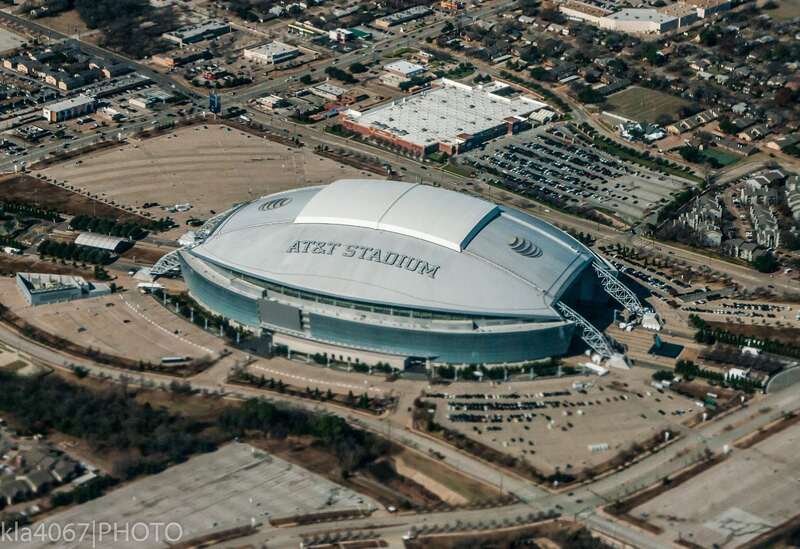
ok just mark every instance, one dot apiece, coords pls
pixel 221 300
pixel 457 346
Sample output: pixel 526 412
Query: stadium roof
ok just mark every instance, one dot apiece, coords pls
pixel 403 244
pixel 447 219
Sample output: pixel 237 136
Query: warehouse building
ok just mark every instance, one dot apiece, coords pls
pixel 639 21
pixel 400 17
pixel 271 54
pixel 43 289
pixel 69 108
pixel 197 33
pixel 450 118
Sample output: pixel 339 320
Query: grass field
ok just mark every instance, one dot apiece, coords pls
pixel 645 105
pixel 723 157
pixel 787 9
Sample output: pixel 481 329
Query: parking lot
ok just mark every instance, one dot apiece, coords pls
pixel 556 424
pixel 229 488
pixel 546 164
pixel 749 493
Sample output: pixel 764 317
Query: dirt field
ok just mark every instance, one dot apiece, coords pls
pixel 211 167
pixel 68 22
pixel 12 264
pixel 711 509
pixel 645 105
pixel 32 190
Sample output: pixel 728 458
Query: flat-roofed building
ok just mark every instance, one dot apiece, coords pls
pixel 197 33
pixel 404 68
pixel 271 54
pixel 68 108
pixel 686 13
pixel 42 289
pixel 398 72
pixel 581 11
pixel 450 117
pixel 401 17
pixel 707 8
pixel 639 21
pixel 328 91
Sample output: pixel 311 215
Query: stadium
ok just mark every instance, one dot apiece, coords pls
pixel 399 273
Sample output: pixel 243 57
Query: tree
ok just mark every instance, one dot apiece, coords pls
pixel 727 126
pixel 784 97
pixel 709 37
pixel 766 263
pixel 664 119
pixel 590 95
pixel 357 68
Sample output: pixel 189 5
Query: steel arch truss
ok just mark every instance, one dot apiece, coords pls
pixel 619 291
pixel 593 337
pixel 211 225
pixel 168 264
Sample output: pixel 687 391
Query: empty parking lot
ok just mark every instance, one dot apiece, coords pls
pixel 232 487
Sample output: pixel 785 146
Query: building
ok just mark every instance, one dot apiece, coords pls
pixel 581 11
pixel 792 191
pixel 631 20
pixel 707 8
pixel 271 54
pixel 197 33
pixel 270 102
pixel 397 272
pixel 149 99
pixel 784 142
pixel 113 244
pixel 704 217
pixel 69 108
pixel 450 118
pixel 394 19
pixel 328 91
pixel 42 289
pixel 686 13
pixel 693 122
pixel 639 21
pixel 340 35
pixel 398 72
pixel 173 59
pixel 404 68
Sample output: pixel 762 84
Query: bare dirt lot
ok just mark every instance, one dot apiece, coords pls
pixel 711 509
pixel 128 324
pixel 32 190
pixel 211 167
pixel 559 434
pixel 12 264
